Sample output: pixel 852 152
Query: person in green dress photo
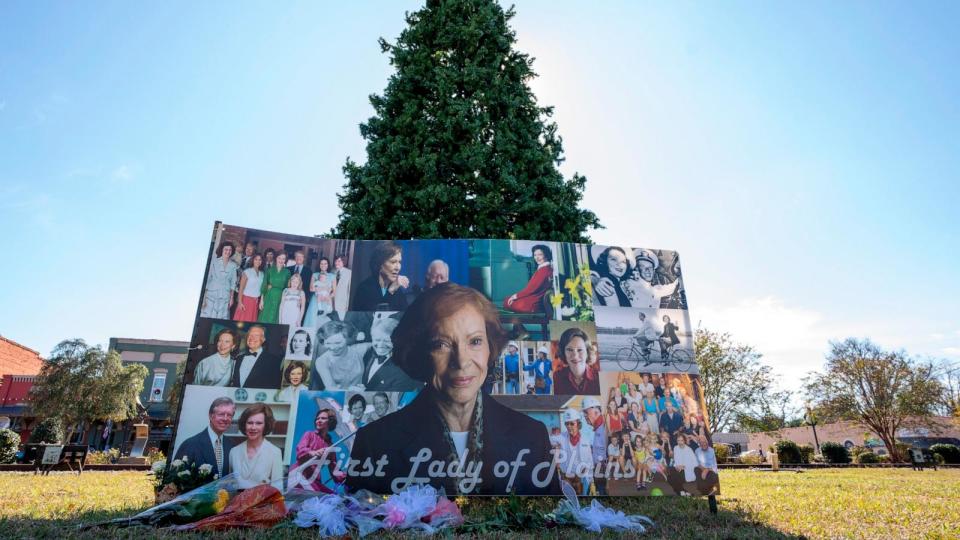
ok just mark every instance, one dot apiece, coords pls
pixel 274 281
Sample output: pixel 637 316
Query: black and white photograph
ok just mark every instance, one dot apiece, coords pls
pixel 657 340
pixel 300 343
pixel 636 277
pixel 357 354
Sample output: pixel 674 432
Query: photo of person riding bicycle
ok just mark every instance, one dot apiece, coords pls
pixel 655 340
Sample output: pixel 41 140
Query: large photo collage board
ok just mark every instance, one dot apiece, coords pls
pixel 487 367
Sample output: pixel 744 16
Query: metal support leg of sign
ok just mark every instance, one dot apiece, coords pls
pixel 712 499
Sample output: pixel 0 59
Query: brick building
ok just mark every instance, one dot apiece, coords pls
pixel 16 359
pixel 19 366
pixel 850 434
pixel 161 358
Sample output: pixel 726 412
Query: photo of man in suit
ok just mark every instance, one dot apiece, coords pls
pixel 256 368
pixel 210 446
pixel 379 370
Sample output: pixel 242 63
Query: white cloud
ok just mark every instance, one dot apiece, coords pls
pixel 768 324
pixel 793 340
pixel 122 174
pixel 951 351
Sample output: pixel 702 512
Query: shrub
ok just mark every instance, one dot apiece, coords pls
pixel 154 455
pixel 103 458
pixel 938 459
pixel 835 452
pixel 884 459
pixel 867 457
pixel 47 431
pixel 950 453
pixel 9 443
pixel 806 453
pixel 750 459
pixel 723 453
pixel 787 451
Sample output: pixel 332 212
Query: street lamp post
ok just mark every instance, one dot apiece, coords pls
pixel 812 420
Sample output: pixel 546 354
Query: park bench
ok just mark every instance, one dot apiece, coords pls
pixel 50 457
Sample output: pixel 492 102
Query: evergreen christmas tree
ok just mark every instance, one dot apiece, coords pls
pixel 458 147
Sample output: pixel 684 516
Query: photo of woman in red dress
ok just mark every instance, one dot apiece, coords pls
pixel 530 299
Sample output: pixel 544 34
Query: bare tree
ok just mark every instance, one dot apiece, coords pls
pixel 734 381
pixel 949 374
pixel 883 390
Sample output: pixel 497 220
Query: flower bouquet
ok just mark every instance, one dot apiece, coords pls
pixel 194 505
pixel 576 304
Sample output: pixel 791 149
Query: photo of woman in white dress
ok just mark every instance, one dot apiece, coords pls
pixel 256 460
pixel 340 367
pixel 292 302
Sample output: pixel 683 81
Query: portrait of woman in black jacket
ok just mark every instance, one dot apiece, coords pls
pixel 449 338
pixel 384 290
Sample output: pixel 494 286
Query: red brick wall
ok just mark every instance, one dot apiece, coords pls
pixel 15 359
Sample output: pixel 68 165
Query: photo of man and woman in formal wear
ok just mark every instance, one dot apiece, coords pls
pixel 391 274
pixel 357 355
pixel 239 434
pixel 237 354
pixel 637 278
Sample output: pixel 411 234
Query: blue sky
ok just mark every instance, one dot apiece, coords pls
pixel 804 158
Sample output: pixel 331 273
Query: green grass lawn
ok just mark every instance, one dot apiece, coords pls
pixel 854 503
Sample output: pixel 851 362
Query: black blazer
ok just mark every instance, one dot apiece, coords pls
pixel 198 449
pixel 402 434
pixel 266 372
pixel 369 298
pixel 388 378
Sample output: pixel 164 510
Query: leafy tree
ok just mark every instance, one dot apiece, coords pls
pixel 773 410
pixel 81 384
pixel 733 379
pixel 458 146
pixel 177 389
pixel 883 390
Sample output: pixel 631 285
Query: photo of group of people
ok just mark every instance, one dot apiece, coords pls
pixel 647 435
pixel 316 361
